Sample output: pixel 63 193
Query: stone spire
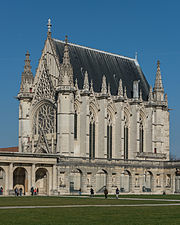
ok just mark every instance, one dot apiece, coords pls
pixel 66 73
pixel 86 83
pixel 27 76
pixel 158 87
pixel 104 86
pixel 120 89
pixel 49 25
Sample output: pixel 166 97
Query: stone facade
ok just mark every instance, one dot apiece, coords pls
pixel 72 136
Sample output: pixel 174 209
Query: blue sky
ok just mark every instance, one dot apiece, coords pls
pixel 124 26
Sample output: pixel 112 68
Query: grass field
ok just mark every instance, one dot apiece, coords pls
pixel 125 215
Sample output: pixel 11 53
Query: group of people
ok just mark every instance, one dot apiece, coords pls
pixel 34 191
pixel 18 192
pixel 105 193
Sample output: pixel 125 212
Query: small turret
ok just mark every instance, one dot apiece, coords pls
pixel 158 87
pixel 66 73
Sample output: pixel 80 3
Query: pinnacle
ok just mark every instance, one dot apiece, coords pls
pixel 104 86
pixel 66 58
pixel 27 66
pixel 86 82
pixel 158 83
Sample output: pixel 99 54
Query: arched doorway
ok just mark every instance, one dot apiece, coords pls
pixel 125 181
pixel 2 181
pixel 75 180
pixel 20 179
pixel 101 181
pixel 177 181
pixel 148 181
pixel 42 181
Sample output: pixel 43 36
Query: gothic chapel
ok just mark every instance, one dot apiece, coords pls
pixel 89 119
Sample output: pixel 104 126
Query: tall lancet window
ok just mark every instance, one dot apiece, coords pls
pixel 125 137
pixel 141 136
pixel 109 136
pixel 92 131
pixel 75 124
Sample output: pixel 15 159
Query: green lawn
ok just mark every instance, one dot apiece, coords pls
pixel 40 201
pixel 89 215
pixel 92 216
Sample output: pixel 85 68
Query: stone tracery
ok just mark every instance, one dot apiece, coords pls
pixel 45 119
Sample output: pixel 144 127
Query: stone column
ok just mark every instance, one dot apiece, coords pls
pixel 54 178
pixel 6 181
pixel 10 182
pixel 33 175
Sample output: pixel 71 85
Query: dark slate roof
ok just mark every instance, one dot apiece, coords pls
pixel 99 63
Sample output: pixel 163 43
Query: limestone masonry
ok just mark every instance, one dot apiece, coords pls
pixel 89 119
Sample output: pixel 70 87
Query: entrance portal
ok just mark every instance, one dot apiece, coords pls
pixel 2 181
pixel 42 181
pixel 20 179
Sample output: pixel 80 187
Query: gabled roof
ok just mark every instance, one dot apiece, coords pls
pixel 98 63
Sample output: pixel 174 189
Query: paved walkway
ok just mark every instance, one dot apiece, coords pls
pixel 82 206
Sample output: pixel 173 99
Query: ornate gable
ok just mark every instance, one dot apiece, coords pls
pixel 44 87
pixel 42 145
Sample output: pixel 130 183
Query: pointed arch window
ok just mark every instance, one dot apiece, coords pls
pixel 126 131
pixel 92 130
pixel 75 124
pixel 109 136
pixel 141 136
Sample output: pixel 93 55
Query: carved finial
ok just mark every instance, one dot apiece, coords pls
pixel 158 64
pixel 166 99
pixel 150 97
pixel 76 85
pixel 91 87
pixel 120 89
pixel 49 25
pixel 125 93
pixel 104 86
pixel 66 39
pixel 140 95
pixel 27 66
pixel 86 82
pixel 109 89
pixel 136 56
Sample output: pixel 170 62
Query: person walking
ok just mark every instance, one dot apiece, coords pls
pixel 106 193
pixel 91 192
pixel 117 193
